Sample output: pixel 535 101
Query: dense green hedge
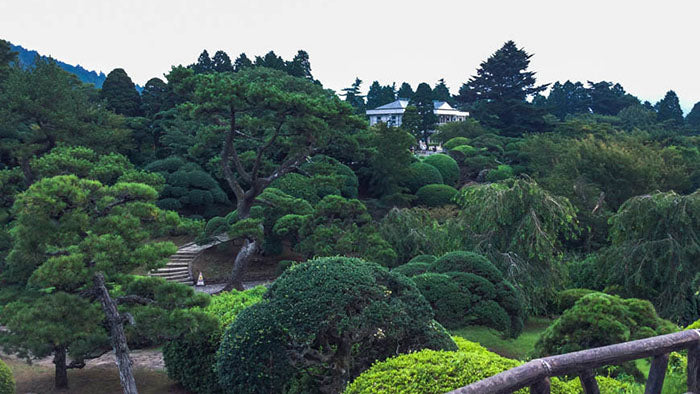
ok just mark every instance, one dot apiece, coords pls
pixel 190 360
pixel 433 372
pixel 567 298
pixel 412 268
pixel 503 171
pixel 7 382
pixel 347 310
pixel 421 174
pixel 435 195
pixel 446 165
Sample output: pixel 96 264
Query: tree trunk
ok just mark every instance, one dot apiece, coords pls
pixel 240 265
pixel 59 359
pixel 115 322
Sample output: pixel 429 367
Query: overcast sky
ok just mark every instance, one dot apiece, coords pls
pixel 647 46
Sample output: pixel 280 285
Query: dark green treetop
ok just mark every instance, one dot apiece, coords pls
pixel 121 94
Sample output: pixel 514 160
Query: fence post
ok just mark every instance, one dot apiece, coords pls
pixel 590 385
pixel 540 387
pixel 694 369
pixel 657 373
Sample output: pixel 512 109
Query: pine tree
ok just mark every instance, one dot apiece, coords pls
pixel 354 97
pixel 242 62
pixel 121 94
pixel 607 98
pixel 669 109
pixel 412 122
pixel 405 91
pixel 300 66
pixel 221 62
pixel 155 97
pixel 503 76
pixel 7 56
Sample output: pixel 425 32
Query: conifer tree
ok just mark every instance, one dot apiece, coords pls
pixel 503 76
pixel 204 63
pixel 354 97
pixel 441 92
pixel 423 101
pixel 221 62
pixel 693 118
pixel 669 109
pixel 242 62
pixel 121 94
pixel 405 91
pixel 300 66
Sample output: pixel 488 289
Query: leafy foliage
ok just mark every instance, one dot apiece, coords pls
pixel 519 225
pixel 655 248
pixel 329 318
pixel 7 382
pixel 421 174
pixel 190 359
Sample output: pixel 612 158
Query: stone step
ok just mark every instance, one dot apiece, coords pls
pixel 171 270
pixel 168 276
pixel 177 264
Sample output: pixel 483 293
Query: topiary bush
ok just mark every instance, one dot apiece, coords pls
pixel 435 195
pixel 421 174
pixel 188 188
pixel 7 382
pixel 599 319
pixel 344 311
pixel 433 372
pixel 190 360
pixel 465 288
pixel 455 142
pixel 503 171
pixel 412 268
pixel 446 165
pixel 567 298
pixel 423 258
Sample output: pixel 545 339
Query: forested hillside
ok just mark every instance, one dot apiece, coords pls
pixel 573 203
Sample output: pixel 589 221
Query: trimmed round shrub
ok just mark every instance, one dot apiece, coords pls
pixel 464 151
pixel 421 174
pixel 465 288
pixel 460 261
pixel 338 308
pixel 437 372
pixel 423 258
pixel 190 360
pixel 435 195
pixel 503 171
pixel 599 319
pixel 455 142
pixel 446 165
pixel 7 382
pixel 412 268
pixel 342 177
pixel 567 298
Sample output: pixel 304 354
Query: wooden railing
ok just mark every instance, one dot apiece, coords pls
pixel 536 374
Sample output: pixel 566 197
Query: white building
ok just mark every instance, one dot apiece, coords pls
pixel 392 113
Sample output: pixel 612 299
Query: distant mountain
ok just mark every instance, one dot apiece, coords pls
pixel 28 57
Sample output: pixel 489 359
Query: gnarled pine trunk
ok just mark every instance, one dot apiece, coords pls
pixel 61 376
pixel 240 265
pixel 115 321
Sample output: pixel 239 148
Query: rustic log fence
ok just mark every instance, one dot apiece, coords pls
pixel 536 374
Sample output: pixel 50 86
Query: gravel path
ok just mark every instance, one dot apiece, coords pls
pixel 143 358
pixel 217 287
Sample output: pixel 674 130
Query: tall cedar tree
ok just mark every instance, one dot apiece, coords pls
pixel 379 95
pixel 271 60
pixel 121 94
pixel 242 62
pixel 669 109
pixel 423 101
pixel 204 63
pixel 503 76
pixel 608 98
pixel 221 62
pixel 405 91
pixel 300 66
pixel 441 92
pixel 568 98
pixel 270 123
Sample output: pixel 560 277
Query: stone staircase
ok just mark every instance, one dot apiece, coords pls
pixel 179 266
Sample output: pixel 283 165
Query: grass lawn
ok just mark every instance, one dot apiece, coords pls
pixel 39 379
pixel 518 348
